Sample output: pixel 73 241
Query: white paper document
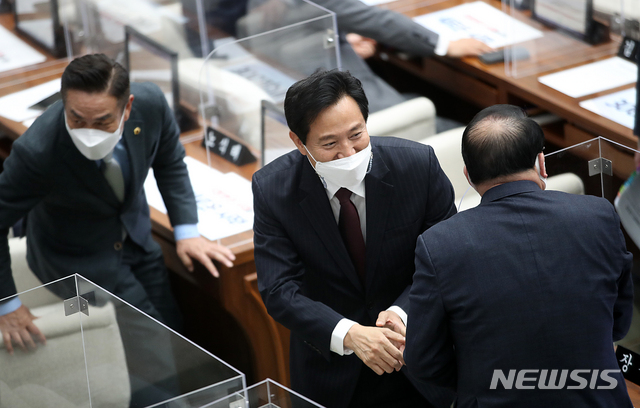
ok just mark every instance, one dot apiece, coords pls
pixel 15 53
pixel 619 107
pixel 481 21
pixel 15 106
pixel 591 78
pixel 225 201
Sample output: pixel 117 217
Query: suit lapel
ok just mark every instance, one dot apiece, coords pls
pixel 136 155
pixel 88 172
pixel 379 194
pixel 314 203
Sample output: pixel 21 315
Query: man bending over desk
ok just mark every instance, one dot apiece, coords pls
pixel 78 172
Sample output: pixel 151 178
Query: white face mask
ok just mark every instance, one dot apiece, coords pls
pixel 537 165
pixel 95 144
pixel 347 172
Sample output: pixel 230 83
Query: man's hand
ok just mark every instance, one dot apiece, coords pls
pixel 636 156
pixel 204 251
pixel 392 321
pixel 467 47
pixel 375 347
pixel 363 46
pixel 18 327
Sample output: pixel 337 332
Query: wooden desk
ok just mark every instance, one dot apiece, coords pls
pixel 486 85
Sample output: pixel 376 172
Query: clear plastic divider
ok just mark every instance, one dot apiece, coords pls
pixel 238 75
pixel 100 351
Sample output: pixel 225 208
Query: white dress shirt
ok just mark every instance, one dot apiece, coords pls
pixel 358 199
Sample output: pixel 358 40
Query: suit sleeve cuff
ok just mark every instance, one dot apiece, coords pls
pixel 185 231
pixel 442 46
pixel 10 306
pixel 338 335
pixel 400 313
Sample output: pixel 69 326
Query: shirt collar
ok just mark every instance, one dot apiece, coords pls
pixel 332 189
pixel 508 189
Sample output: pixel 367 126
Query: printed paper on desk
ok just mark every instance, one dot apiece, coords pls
pixel 591 78
pixel 225 201
pixel 480 21
pixel 619 107
pixel 15 106
pixel 15 53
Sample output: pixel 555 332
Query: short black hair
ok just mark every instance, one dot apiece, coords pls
pixel 499 141
pixel 96 73
pixel 307 98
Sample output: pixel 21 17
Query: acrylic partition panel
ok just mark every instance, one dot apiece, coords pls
pixel 599 165
pixel 100 25
pixel 239 74
pixel 149 61
pixel 549 35
pixel 37 23
pixel 102 352
pixel 54 374
pixel 265 394
pixel 275 133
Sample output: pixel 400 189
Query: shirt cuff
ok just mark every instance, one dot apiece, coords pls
pixel 338 335
pixel 442 46
pixel 185 231
pixel 10 306
pixel 399 312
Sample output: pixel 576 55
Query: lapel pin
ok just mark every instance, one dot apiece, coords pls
pixel 136 131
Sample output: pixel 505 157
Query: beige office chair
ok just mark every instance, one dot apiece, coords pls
pixel 447 146
pixel 58 373
pixel 414 119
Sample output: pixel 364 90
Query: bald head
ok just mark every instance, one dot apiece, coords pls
pixel 500 141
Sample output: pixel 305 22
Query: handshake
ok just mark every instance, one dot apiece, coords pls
pixel 380 347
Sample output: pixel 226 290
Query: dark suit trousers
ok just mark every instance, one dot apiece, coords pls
pixel 385 391
pixel 144 283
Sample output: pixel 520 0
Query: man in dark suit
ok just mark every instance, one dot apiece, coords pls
pixel 524 289
pixel 334 231
pixel 82 216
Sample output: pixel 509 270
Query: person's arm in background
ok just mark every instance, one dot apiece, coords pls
pixel 397 30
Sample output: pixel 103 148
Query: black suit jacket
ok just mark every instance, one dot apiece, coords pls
pixel 75 219
pixel 529 279
pixel 305 275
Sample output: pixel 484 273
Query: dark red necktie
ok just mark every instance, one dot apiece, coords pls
pixel 349 226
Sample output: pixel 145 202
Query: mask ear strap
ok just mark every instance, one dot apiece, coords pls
pixel 309 153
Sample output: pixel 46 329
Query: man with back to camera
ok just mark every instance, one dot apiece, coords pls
pixel 89 215
pixel 334 231
pixel 528 280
